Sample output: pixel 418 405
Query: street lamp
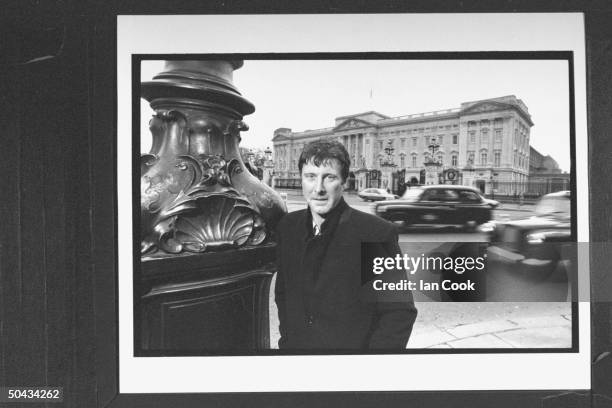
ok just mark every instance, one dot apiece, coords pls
pixel 386 160
pixel 268 154
pixel 433 147
pixel 432 165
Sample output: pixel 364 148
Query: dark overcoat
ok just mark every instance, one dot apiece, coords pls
pixel 338 316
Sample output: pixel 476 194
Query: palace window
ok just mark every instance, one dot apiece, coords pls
pixel 454 160
pixel 440 139
pixel 497 158
pixel 403 143
pixel 414 160
pixel 484 137
pixel 402 160
pixel 483 158
pixel 498 136
pixel 414 142
pixel 472 136
pixel 471 157
pixel 454 139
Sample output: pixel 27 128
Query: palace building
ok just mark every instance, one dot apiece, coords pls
pixel 482 143
pixel 545 175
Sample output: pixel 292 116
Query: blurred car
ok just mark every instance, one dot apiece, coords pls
pixel 376 194
pixel 439 205
pixel 492 203
pixel 535 242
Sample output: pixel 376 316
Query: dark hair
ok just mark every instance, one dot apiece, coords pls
pixel 321 152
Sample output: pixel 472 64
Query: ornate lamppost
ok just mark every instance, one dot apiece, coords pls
pixel 433 167
pixel 387 163
pixel 207 257
pixel 268 167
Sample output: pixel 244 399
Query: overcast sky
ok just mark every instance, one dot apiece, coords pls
pixel 309 94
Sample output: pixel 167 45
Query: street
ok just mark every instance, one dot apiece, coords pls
pixel 466 325
pixel 295 201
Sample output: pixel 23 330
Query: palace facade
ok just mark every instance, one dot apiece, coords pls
pixel 545 175
pixel 482 143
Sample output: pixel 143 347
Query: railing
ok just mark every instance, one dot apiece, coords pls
pixel 529 189
pixel 423 115
pixel 293 183
pixel 311 132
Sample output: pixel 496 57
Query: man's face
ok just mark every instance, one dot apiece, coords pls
pixel 322 185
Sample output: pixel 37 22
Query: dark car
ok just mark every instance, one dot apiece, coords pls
pixel 440 205
pixel 376 194
pixel 536 243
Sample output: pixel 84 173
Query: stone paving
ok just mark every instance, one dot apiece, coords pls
pixel 547 331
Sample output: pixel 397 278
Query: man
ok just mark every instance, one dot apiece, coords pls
pixel 319 288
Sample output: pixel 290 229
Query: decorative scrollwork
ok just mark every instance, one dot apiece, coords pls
pixel 216 222
pixel 195 193
pixel 191 206
pixel 235 127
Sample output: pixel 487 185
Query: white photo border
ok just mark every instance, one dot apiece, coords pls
pixel 344 33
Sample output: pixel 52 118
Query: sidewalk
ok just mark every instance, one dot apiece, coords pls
pixel 552 331
pixel 542 332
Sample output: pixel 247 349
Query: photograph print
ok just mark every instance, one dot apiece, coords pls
pixel 355 203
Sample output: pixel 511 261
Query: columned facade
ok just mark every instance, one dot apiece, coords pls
pixel 482 143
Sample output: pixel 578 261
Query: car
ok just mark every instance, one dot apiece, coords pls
pixel 537 243
pixel 492 203
pixel 439 205
pixel 376 194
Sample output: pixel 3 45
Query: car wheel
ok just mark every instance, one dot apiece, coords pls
pixel 470 226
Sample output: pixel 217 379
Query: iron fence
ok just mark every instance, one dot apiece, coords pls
pixel 529 189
